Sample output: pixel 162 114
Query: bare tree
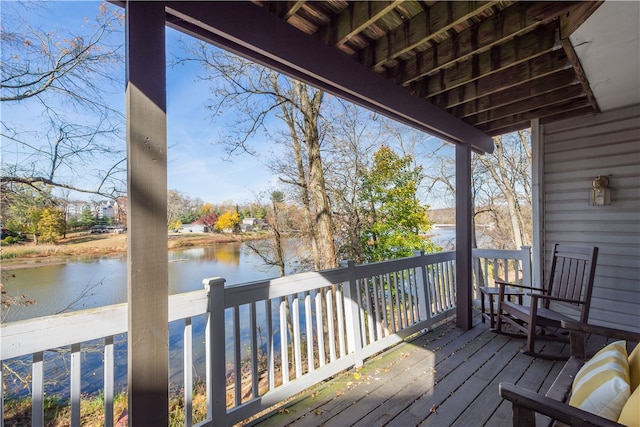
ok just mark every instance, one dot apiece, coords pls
pixel 73 139
pixel 258 94
pixel 509 167
pixel 501 185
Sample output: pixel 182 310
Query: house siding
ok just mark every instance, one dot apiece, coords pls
pixel 574 153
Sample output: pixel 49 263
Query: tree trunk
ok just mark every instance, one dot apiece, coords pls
pixel 317 188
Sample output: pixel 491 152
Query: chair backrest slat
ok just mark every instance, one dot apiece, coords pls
pixel 571 275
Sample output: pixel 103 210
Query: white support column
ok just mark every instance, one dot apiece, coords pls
pixel 464 211
pixel 147 269
pixel 537 197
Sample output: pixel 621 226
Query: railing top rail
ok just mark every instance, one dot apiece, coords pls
pixel 261 290
pixel 384 267
pixel 64 329
pixel 500 253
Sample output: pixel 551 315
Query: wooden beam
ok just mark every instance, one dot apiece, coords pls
pixel 563 115
pixel 497 127
pixel 511 22
pixel 516 51
pixel 525 72
pixel 528 89
pixel 577 67
pixel 355 18
pixel 294 9
pixel 573 18
pixel 426 26
pixel 464 212
pixel 545 100
pixel 250 31
pixel 147 267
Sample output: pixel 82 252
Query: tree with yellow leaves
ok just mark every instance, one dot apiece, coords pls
pixel 228 221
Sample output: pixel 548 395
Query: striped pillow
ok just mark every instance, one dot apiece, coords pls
pixel 602 384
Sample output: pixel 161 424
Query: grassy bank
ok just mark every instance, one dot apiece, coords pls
pixel 83 245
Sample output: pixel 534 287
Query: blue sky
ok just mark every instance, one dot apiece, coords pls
pixel 197 164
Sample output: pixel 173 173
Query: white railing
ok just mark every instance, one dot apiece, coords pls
pixel 512 266
pixel 280 336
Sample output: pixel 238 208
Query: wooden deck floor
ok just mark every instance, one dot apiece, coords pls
pixel 446 377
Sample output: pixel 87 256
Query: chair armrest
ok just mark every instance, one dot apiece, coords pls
pixel 574 325
pixel 526 403
pixel 515 285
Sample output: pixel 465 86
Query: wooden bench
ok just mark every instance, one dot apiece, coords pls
pixel 533 409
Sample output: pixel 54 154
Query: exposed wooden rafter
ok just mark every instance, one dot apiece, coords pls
pixel 492 64
pixel 482 61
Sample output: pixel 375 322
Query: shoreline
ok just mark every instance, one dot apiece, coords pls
pixel 85 246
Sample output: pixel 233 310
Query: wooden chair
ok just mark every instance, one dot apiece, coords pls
pixel 566 296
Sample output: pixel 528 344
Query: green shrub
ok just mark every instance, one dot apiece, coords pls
pixel 10 240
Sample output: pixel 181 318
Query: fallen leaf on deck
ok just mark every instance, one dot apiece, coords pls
pixel 433 409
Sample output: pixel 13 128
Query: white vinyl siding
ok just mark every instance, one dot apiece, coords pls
pixel 575 152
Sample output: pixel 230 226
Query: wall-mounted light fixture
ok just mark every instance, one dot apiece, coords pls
pixel 600 193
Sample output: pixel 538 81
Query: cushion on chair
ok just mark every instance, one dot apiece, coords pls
pixel 634 368
pixel 601 386
pixel 630 415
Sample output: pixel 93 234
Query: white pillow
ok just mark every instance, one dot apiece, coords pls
pixel 602 384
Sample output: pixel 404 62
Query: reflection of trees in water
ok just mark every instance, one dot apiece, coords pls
pixel 226 253
pixel 297 254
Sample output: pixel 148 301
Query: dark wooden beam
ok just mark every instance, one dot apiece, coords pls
pixel 524 123
pixel 563 115
pixel 511 22
pixel 576 16
pixel 252 32
pixel 147 267
pixel 524 72
pixel 496 127
pixel 293 9
pixel 511 127
pixel 422 28
pixel 577 67
pixel 528 89
pixel 355 18
pixel 516 51
pixel 546 100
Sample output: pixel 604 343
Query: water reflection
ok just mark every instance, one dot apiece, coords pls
pixel 93 283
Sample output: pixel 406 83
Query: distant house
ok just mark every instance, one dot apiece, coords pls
pixel 253 224
pixel 193 228
pixel 248 224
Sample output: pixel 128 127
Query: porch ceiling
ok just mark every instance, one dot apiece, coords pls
pixel 495 64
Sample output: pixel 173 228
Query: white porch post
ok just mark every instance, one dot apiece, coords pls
pixel 537 211
pixel 147 267
pixel 464 211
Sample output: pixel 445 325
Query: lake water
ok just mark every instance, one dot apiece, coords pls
pixel 103 281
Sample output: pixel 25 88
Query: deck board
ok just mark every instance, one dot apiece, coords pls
pixel 445 377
